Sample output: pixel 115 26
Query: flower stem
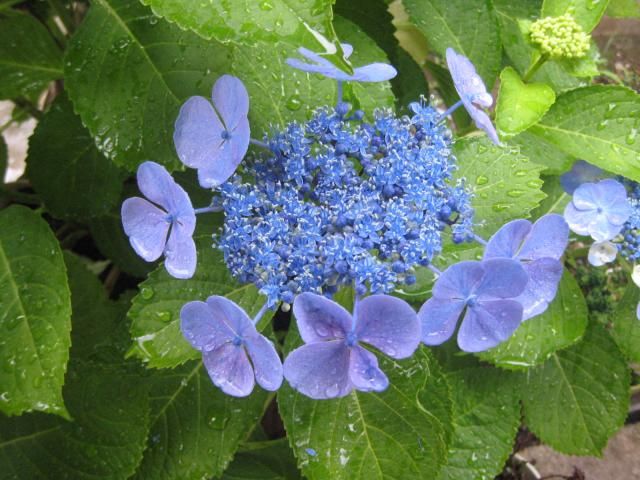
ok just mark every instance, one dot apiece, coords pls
pixel 212 208
pixel 434 269
pixel 452 109
pixel 258 143
pixel 260 313
pixel 535 67
pixel 479 239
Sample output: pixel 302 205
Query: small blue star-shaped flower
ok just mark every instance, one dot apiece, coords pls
pixel 234 353
pixel 538 247
pixel 163 225
pixel 486 291
pixel 598 209
pixel 581 172
pixel 332 362
pixel 374 72
pixel 472 91
pixel 214 138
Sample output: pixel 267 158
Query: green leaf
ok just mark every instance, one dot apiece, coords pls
pixel 625 326
pixel 66 169
pixel 560 326
pixel 400 433
pixel 249 21
pixel 598 124
pixel 128 74
pixel 155 312
pixel 35 315
pixel 556 200
pixel 468 26
pixel 580 396
pixel 29 58
pixel 624 9
pixel 195 428
pixel 505 183
pixel 265 461
pixel 540 151
pixel 520 105
pixel 104 441
pixel 586 12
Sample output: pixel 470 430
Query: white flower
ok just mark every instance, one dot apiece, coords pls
pixel 604 252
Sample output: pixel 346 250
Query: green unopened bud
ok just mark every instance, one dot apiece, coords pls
pixel 560 37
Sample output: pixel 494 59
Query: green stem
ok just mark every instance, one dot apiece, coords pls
pixel 29 107
pixel 535 67
pixel 65 15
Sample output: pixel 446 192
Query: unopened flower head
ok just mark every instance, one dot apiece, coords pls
pixel 339 201
pixel 560 37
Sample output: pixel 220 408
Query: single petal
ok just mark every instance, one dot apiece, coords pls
pixel 458 281
pixel 638 311
pixel 601 229
pixel 158 185
pixel 578 220
pixel 202 329
pixel 601 253
pixel 549 237
pixel 231 100
pixel 544 276
pixel 364 372
pixel 328 71
pixel 389 324
pixel 488 324
pixel 635 275
pixel 319 370
pixel 439 319
pixel 347 49
pixel 319 318
pixel 315 57
pixel 230 154
pixel 610 192
pixel 180 253
pixel 198 133
pixel 232 315
pixel 266 362
pixel 482 121
pixel 503 278
pixel 146 226
pixel 581 172
pixel 374 72
pixel 586 197
pixel 465 78
pixel 507 241
pixel 230 370
pixel 619 212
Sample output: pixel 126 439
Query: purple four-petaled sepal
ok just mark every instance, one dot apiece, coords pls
pixel 598 209
pixel 374 72
pixel 214 138
pixel 161 223
pixel 333 361
pixel 472 91
pixel 538 247
pixel 234 353
pixel 486 292
pixel 581 172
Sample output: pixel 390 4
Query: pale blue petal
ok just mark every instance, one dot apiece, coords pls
pixel 601 253
pixel 158 185
pixel 319 318
pixel 202 329
pixel 347 49
pixel 374 72
pixel 326 70
pixel 266 362
pixel 586 197
pixel 609 193
pixel 180 253
pixel 488 324
pixel 230 370
pixel 439 319
pixel 231 100
pixel 503 278
pixel 507 241
pixel 458 281
pixel 389 324
pixel 601 229
pixel 549 237
pixel 482 121
pixel 232 315
pixel 146 226
pixel 578 220
pixel 544 277
pixel 319 370
pixel 364 372
pixel 198 133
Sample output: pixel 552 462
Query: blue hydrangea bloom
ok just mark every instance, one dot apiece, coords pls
pixel 581 172
pixel 630 233
pixel 339 201
pixel 214 138
pixel 472 91
pixel 164 223
pixel 538 247
pixel 234 353
pixel 598 209
pixel 374 72
pixel 333 362
pixel 487 292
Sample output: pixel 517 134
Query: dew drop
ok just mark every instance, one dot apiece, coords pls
pixel 481 180
pixel 293 103
pixel 146 292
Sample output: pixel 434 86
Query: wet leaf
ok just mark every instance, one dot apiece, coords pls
pixel 625 326
pixel 586 12
pixel 264 461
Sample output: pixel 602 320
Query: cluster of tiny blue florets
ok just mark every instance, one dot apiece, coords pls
pixel 630 245
pixel 340 201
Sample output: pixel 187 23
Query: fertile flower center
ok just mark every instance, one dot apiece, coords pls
pixel 471 301
pixel 351 340
pixel 237 340
pixel 226 134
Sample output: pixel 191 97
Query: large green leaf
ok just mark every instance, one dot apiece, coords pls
pixel 625 325
pixel 35 314
pixel 540 151
pixel 505 183
pixel 468 26
pixel 29 57
pixel 557 199
pixel 400 433
pixel 127 74
pixel 624 8
pixel 599 124
pixel 580 396
pixel 560 326
pixel 264 461
pixel 105 440
pixel 66 169
pixel 586 12
pixel 195 428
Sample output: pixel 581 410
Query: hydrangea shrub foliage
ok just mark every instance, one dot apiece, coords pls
pixel 266 239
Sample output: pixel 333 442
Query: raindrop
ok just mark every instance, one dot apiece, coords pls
pixel 481 180
pixel 293 103
pixel 146 292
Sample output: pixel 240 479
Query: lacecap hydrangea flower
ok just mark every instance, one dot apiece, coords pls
pixel 163 223
pixel 333 361
pixel 630 234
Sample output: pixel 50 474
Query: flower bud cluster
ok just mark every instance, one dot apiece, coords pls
pixel 560 37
